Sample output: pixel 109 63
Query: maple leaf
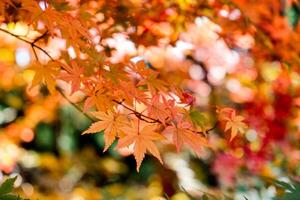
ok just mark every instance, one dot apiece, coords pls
pixel 233 121
pixel 115 73
pixel 74 75
pixel 157 110
pixel 198 119
pixel 142 137
pixel 129 92
pixel 45 74
pixel 153 83
pixel 112 124
pixel 140 68
pixel 236 124
pixel 185 97
pixel 147 77
pixel 70 27
pixel 172 109
pixel 182 134
pixel 99 97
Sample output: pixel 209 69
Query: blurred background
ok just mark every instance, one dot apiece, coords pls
pixel 40 134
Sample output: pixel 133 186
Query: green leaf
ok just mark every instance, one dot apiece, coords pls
pixel 289 196
pixel 9 197
pixel 292 190
pixel 198 118
pixel 284 185
pixel 293 15
pixel 7 186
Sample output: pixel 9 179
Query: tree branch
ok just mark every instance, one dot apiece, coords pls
pixel 40 37
pixel 33 46
pixel 147 118
pixel 139 115
pixel 29 42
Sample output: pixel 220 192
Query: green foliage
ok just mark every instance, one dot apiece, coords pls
pixel 44 138
pixel 9 197
pixel 199 118
pixel 7 188
pixel 292 191
pixel 293 15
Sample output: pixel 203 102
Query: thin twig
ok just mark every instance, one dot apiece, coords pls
pixel 206 132
pixel 33 46
pixel 35 41
pixel 138 114
pixel 40 37
pixel 34 52
pixel 28 42
pixel 210 129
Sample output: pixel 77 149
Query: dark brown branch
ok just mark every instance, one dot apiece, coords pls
pixel 34 52
pixel 16 36
pixel 35 41
pixel 212 128
pixel 40 37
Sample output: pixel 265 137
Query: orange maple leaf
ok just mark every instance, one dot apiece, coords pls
pixel 157 110
pixel 98 97
pixel 73 75
pixel 142 137
pixel 236 124
pixel 71 27
pixel 233 121
pixel 45 74
pixel 182 134
pixel 112 124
